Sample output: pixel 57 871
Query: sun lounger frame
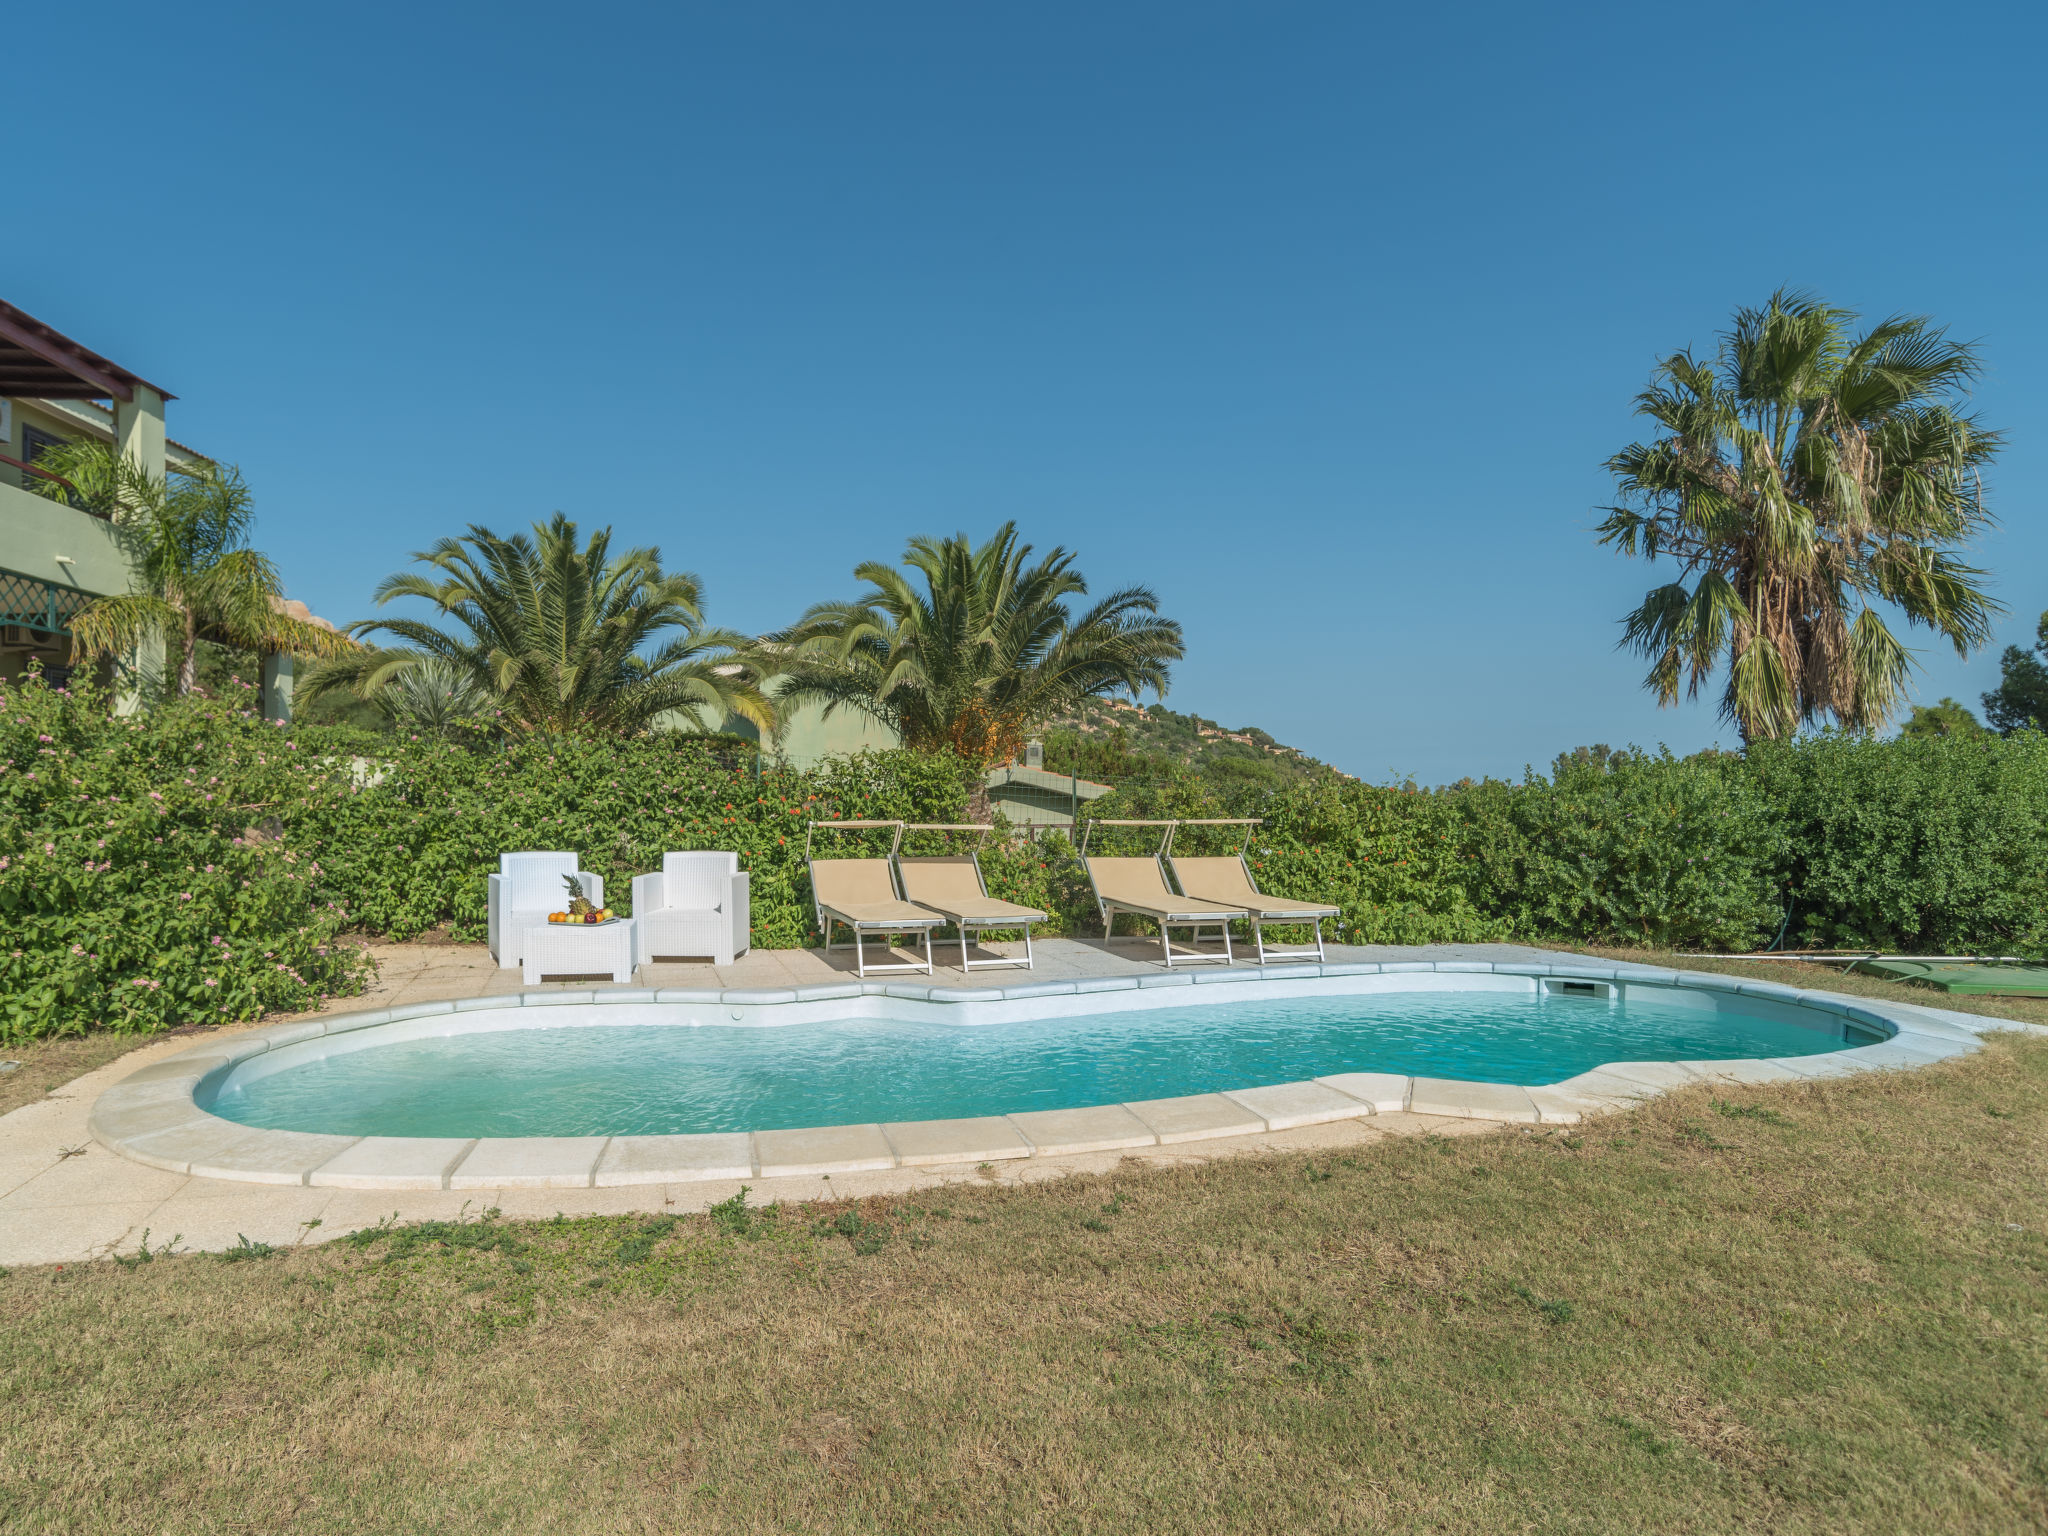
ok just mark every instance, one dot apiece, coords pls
pixel 1258 919
pixel 863 927
pixel 968 930
pixel 1167 917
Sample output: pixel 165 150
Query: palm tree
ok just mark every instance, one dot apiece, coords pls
pixel 967 648
pixel 1802 477
pixel 188 535
pixel 552 633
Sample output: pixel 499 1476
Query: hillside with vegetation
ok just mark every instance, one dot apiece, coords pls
pixel 1113 741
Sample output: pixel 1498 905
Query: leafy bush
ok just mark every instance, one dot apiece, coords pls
pixel 196 864
pixel 137 885
pixel 1935 845
pixel 412 850
pixel 1671 852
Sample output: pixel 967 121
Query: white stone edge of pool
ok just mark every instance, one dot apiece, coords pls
pixel 154 1116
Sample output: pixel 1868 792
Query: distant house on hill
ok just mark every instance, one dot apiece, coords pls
pixel 1031 797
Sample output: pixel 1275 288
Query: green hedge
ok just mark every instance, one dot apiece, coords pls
pixel 195 863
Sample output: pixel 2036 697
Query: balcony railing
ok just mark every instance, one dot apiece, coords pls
pixel 77 501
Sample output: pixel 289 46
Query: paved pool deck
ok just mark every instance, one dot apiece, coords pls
pixel 66 1197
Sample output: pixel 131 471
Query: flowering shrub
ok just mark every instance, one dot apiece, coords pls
pixel 136 885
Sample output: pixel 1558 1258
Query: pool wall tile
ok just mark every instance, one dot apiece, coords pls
pixel 1286 1106
pixel 1385 1093
pixel 821 992
pixel 980 1139
pixel 529 1162
pixel 702 994
pixel 1058 1132
pixel 1196 1117
pixel 1106 984
pixel 823 1150
pixel 1351 968
pixel 757 997
pixel 1167 979
pixel 393 1162
pixel 631 1160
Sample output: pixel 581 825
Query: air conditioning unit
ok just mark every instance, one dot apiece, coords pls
pixel 16 634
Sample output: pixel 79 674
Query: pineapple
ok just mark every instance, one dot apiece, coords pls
pixel 579 904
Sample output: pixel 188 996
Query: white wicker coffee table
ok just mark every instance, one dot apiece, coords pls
pixel 579 949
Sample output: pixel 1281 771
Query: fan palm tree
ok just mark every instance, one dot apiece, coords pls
pixel 188 535
pixel 966 648
pixel 553 633
pixel 1800 479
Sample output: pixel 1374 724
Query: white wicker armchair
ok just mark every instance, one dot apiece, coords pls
pixel 527 887
pixel 694 905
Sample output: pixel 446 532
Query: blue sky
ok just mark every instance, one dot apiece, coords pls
pixel 1318 318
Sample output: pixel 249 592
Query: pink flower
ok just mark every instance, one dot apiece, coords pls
pixel 211 982
pixel 184 895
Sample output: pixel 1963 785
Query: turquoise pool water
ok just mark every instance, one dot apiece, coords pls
pixel 634 1080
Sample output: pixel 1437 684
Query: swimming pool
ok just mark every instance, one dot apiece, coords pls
pixel 559 1090
pixel 522 1075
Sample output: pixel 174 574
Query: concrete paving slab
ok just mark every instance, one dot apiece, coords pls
pixel 72 1234
pixel 274 1214
pixel 1285 1106
pixel 642 1160
pixel 1386 1092
pixel 1474 1101
pixel 984 1139
pixel 95 1177
pixel 1196 1117
pixel 824 1150
pixel 1064 1132
pixel 393 1162
pixel 529 1162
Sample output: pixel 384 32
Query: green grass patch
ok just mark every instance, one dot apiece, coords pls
pixel 1806 1307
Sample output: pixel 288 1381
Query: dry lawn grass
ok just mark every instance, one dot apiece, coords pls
pixel 1807 1308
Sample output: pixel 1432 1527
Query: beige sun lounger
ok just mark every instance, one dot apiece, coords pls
pixel 954 888
pixel 1228 880
pixel 860 895
pixel 1138 886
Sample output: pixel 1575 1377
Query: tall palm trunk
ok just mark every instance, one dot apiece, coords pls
pixel 188 662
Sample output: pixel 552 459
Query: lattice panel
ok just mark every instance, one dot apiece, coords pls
pixel 37 605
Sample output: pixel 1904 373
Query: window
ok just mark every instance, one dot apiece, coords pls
pixel 34 444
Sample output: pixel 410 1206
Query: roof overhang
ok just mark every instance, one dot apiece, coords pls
pixel 40 363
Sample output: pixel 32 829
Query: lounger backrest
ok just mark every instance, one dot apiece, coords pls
pixel 852 882
pixel 942 882
pixel 696 881
pixel 1216 879
pixel 535 879
pixel 1137 881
